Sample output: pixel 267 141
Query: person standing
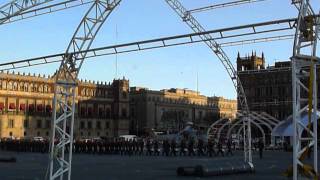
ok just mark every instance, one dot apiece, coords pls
pixel 190 148
pixel 229 144
pixel 156 147
pixel 173 148
pixel 182 147
pixel 261 147
pixel 148 146
pixel 200 147
pixel 210 150
pixel 220 148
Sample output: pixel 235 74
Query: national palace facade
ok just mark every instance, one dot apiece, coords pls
pixel 26 106
pixel 102 109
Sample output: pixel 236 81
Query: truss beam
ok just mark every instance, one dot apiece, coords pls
pixel 264 28
pixel 47 9
pixel 15 7
pixel 223 5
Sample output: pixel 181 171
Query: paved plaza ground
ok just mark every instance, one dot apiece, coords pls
pixel 32 166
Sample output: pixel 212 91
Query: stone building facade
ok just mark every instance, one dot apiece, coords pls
pixel 26 107
pixel 268 89
pixel 170 109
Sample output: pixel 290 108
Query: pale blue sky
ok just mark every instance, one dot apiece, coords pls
pixel 145 19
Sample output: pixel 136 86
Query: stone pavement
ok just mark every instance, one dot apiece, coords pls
pixel 32 166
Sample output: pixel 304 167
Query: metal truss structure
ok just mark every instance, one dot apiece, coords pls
pixel 307 33
pixel 16 7
pixel 265 29
pixel 219 52
pixel 223 5
pixel 224 127
pixel 46 9
pixel 305 82
pixel 65 86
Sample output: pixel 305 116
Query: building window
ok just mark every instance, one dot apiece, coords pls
pixel 10 133
pixel 98 133
pixel 39 108
pixel 89 134
pixel 90 111
pixel 48 124
pixel 31 107
pixel 81 133
pixel 24 133
pixel 48 108
pixel 11 123
pixel 38 133
pixel 22 107
pixel 101 113
pixel 98 125
pixel 107 125
pixel 1 106
pixel 89 125
pixel 124 95
pixel 39 123
pixel 47 133
pixel 26 123
pixel 81 125
pixel 12 106
pixel 83 111
pixel 108 113
pixel 200 114
pixel 124 112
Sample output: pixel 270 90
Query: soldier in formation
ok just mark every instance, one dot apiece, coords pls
pixel 120 146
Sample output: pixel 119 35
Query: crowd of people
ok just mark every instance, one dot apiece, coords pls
pixel 120 146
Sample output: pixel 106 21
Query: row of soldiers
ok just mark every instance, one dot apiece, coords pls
pixel 148 147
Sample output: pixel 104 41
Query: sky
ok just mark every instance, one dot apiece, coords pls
pixel 133 20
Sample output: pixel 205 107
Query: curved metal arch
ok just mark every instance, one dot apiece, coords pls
pixel 15 7
pixel 259 127
pixel 66 83
pixel 214 124
pixel 264 118
pixel 219 52
pixel 254 119
pixel 238 123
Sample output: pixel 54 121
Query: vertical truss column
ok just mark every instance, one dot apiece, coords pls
pixel 216 48
pixel 304 82
pixel 65 87
pixel 15 7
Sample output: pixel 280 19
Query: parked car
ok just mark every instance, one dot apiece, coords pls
pixel 38 138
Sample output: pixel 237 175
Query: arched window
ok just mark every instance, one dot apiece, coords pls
pixel 10 85
pixel 15 86
pixel 26 86
pixel 35 88
pixel 21 86
pixel 45 88
pixel 4 85
pixel 31 87
pixel 40 88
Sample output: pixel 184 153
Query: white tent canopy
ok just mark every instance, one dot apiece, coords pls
pixel 285 128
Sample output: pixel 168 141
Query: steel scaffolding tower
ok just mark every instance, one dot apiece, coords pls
pixel 216 48
pixel 305 82
pixel 65 86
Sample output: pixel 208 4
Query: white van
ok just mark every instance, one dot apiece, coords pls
pixel 128 137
